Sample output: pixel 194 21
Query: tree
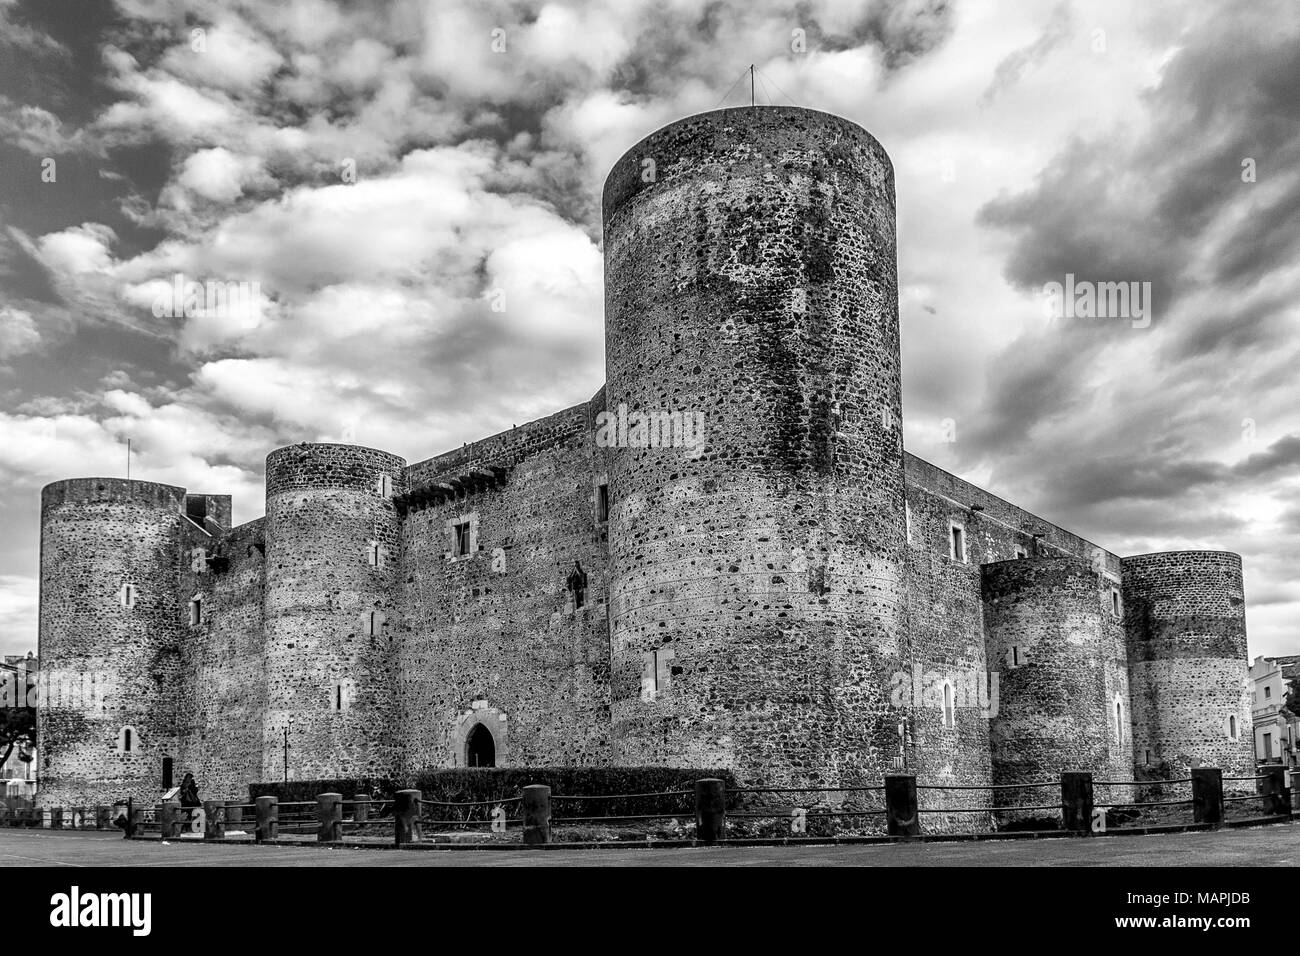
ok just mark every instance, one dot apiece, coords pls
pixel 17 729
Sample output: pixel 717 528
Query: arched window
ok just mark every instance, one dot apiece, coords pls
pixel 480 748
pixel 126 740
pixel 1232 726
pixel 949 713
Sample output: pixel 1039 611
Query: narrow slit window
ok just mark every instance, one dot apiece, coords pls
pixel 1015 657
pixel 949 714
pixel 385 486
pixel 372 554
pixel 1119 721
pixel 602 503
pixel 1232 727
pixel 460 534
pixel 374 623
pixel 1114 602
pixel 127 595
pixel 196 611
pixel 958 544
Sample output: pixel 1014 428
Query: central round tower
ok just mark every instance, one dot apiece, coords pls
pixel 757 592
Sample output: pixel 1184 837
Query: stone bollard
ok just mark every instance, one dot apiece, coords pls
pixel 329 813
pixel 56 818
pixel 169 815
pixel 103 818
pixel 1076 802
pixel 268 819
pixel 537 814
pixel 1207 795
pixel 710 810
pixel 406 817
pixel 234 813
pixel 1272 787
pixel 361 807
pixel 214 820
pixel 901 811
pixel 134 822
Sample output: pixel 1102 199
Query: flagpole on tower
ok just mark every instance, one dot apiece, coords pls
pixel 128 459
pixel 751 84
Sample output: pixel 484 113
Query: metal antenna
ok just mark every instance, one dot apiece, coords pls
pixel 751 84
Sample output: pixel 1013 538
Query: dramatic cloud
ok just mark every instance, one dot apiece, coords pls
pixel 398 203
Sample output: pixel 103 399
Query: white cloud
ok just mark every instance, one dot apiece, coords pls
pixel 18 332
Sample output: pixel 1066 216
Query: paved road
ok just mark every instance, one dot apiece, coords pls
pixel 1276 845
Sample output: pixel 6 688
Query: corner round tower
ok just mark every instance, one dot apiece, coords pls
pixel 1057 644
pixel 757 582
pixel 109 631
pixel 1188 662
pixel 332 539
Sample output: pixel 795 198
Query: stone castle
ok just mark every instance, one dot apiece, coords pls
pixel 724 559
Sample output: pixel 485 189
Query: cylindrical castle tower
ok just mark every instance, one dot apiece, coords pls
pixel 1188 662
pixel 332 541
pixel 1056 642
pixel 757 593
pixel 109 627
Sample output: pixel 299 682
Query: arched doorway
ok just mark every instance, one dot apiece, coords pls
pixel 480 748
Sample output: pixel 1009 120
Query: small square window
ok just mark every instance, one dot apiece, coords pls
pixel 1268 692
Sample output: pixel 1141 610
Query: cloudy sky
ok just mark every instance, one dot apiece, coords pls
pixel 382 169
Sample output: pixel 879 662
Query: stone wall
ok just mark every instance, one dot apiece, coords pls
pixel 220 720
pixel 106 667
pixel 1051 626
pixel 1188 663
pixel 751 279
pixel 493 637
pixel 330 617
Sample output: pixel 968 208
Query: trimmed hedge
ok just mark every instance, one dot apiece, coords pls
pixel 496 783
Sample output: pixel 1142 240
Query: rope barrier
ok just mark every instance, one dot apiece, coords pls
pixel 807 813
pixel 1153 803
pixel 994 786
pixel 806 790
pixel 1138 783
pixel 624 796
pixel 644 816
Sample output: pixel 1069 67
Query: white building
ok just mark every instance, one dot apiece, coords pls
pixel 1277 729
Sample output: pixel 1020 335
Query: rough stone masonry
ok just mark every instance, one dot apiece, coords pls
pixel 788 594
